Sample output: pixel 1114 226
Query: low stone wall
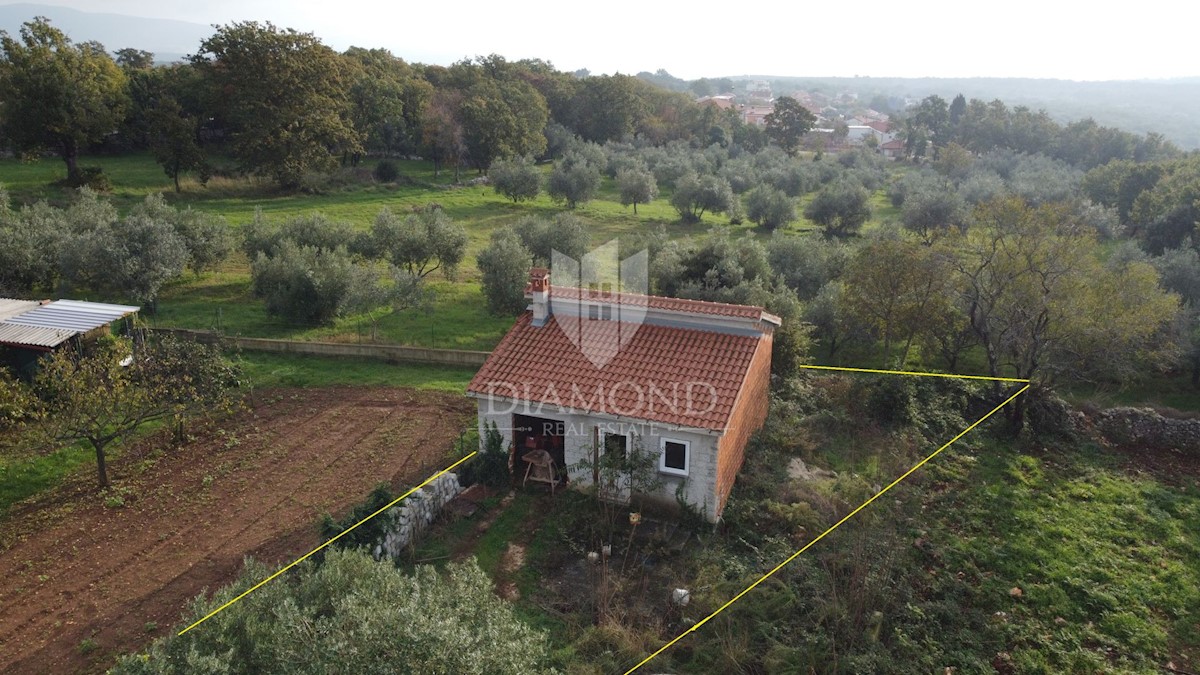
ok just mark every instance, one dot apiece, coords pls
pixel 403 522
pixel 1143 427
pixel 444 357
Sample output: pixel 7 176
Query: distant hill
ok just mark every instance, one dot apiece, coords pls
pixel 170 40
pixel 1169 107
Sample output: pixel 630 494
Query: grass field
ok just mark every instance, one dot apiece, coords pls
pixel 221 300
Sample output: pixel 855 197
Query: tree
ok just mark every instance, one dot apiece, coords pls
pixel 172 138
pixel 637 186
pixel 574 180
pixel 501 115
pixel 284 95
pixel 303 284
pixel 1180 272
pixel 130 257
pixel 504 266
pixel 840 208
pixel 422 243
pixel 1045 307
pixel 932 210
pixel 891 283
pixel 129 58
pixel 102 397
pixel 57 95
pixel 518 178
pixel 694 195
pixel 442 134
pixel 788 122
pixel 769 207
pixel 205 236
pixel 566 233
pixel 351 613
pixel 29 245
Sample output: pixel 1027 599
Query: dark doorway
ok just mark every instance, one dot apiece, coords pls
pixel 539 433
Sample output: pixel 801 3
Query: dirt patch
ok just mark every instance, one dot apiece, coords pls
pixel 255 485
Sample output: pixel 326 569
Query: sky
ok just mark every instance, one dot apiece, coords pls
pixel 897 38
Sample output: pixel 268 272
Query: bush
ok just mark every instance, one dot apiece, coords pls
pixel 386 171
pixel 518 179
pixel 504 267
pixel 769 207
pixel 840 208
pixel 351 614
pixel 301 283
pixel 490 466
pixel 369 532
pixel 91 177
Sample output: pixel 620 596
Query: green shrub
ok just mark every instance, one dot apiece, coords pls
pixel 490 466
pixel 386 171
pixel 367 533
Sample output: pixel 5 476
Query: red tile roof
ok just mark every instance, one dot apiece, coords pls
pixel 896 144
pixel 648 379
pixel 662 303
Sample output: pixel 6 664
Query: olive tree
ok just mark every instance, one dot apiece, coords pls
pixel 769 207
pixel 517 178
pixel 840 208
pixel 352 614
pixel 504 265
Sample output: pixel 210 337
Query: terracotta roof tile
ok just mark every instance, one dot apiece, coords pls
pixel 662 303
pixel 672 375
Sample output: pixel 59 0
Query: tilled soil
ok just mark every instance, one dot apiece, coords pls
pixel 85 580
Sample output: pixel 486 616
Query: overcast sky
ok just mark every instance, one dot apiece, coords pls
pixel 916 38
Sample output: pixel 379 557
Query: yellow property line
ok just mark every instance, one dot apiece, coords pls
pixel 339 536
pixel 908 372
pixel 831 529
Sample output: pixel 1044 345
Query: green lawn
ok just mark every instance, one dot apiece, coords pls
pixel 290 370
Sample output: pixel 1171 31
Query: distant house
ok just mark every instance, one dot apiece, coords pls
pixel 723 101
pixel 687 382
pixel 882 126
pixel 756 114
pixel 892 149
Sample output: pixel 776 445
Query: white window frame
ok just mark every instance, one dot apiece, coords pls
pixel 662 457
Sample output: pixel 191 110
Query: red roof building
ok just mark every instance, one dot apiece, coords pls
pixel 585 372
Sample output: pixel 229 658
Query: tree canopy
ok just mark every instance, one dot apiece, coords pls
pixel 284 95
pixel 58 95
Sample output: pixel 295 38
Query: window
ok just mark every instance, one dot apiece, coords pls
pixel 674 458
pixel 614 443
pixel 600 312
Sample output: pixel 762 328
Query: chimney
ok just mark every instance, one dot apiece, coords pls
pixel 539 286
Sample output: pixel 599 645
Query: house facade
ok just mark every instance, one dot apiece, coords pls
pixel 585 372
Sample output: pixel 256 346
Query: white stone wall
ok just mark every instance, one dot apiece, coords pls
pixel 414 514
pixel 699 486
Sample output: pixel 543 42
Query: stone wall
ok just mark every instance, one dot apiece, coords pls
pixel 398 353
pixel 1143 427
pixel 403 522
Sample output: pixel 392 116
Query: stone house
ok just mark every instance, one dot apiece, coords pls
pixel 585 372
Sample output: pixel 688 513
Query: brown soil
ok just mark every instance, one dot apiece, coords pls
pixel 256 485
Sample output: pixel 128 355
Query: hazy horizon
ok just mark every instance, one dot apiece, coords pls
pixel 875 39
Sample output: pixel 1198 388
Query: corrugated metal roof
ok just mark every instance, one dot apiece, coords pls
pixel 54 323
pixel 74 315
pixel 31 336
pixel 10 307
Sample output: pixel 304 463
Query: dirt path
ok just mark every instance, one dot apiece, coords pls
pixel 75 569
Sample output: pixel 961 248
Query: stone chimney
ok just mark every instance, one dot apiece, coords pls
pixel 539 287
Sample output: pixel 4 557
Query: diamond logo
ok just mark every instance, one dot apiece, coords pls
pixel 591 299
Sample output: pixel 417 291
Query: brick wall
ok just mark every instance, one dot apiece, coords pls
pixel 748 416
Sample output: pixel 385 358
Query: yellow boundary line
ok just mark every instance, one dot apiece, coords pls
pixel 908 372
pixel 339 536
pixel 831 529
